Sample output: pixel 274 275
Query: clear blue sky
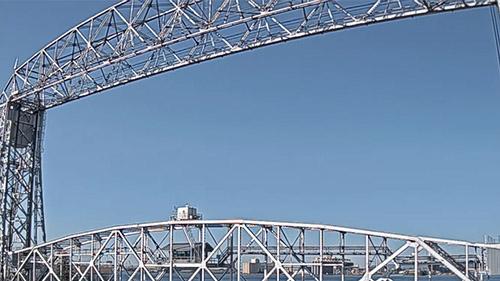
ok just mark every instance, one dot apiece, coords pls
pixel 393 127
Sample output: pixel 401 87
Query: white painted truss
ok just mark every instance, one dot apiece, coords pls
pixel 136 39
pixel 292 251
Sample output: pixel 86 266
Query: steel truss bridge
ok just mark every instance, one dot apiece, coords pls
pixel 135 39
pixel 216 250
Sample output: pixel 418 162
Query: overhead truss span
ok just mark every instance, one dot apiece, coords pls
pixel 228 249
pixel 136 39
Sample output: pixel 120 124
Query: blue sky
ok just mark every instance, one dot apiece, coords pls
pixel 393 127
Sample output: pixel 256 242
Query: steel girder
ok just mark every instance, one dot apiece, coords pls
pixel 163 251
pixel 139 38
pixel 136 39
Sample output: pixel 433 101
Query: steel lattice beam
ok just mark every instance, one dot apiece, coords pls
pixel 153 252
pixel 135 39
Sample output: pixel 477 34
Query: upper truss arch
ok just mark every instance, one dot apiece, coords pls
pixel 132 229
pixel 139 38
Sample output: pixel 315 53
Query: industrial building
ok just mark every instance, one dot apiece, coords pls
pixel 253 267
pixel 184 251
pixel 492 256
pixel 332 265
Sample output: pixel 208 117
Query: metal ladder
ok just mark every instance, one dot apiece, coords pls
pixel 450 259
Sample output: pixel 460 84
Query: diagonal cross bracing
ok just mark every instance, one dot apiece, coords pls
pixel 108 254
pixel 135 39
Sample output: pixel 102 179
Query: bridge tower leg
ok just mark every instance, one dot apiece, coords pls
pixel 21 196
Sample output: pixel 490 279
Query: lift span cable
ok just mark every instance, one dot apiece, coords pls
pixel 495 22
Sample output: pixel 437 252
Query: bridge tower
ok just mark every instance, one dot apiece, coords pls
pixel 22 213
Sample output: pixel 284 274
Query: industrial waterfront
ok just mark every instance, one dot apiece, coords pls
pixel 350 278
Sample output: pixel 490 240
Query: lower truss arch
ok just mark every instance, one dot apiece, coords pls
pixel 216 249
